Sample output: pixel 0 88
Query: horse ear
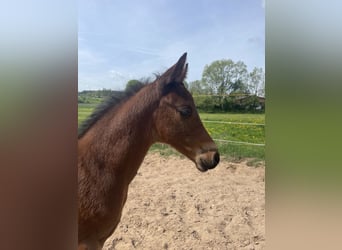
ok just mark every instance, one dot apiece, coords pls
pixel 177 73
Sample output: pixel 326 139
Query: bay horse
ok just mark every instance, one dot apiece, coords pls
pixel 115 139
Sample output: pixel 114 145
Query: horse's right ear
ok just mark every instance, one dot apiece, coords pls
pixel 175 74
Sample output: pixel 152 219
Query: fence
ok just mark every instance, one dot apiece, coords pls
pixel 237 123
pixel 238 139
pixel 227 148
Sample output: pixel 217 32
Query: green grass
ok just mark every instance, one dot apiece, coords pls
pixel 84 110
pixel 227 117
pixel 222 131
pixel 239 132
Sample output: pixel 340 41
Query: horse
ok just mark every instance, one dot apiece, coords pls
pixel 116 138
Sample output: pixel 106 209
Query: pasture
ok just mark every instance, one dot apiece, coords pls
pixel 237 135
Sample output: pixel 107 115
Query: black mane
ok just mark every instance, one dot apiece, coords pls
pixel 117 98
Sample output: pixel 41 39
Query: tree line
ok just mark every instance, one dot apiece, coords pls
pixel 94 96
pixel 226 86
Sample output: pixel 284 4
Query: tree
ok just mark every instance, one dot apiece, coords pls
pixel 256 82
pixel 239 78
pixel 216 76
pixel 222 77
pixel 238 87
pixel 132 85
pixel 197 88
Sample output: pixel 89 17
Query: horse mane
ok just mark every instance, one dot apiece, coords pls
pixel 114 100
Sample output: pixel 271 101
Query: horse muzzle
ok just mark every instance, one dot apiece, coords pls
pixel 207 160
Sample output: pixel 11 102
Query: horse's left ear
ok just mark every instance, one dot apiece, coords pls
pixel 177 73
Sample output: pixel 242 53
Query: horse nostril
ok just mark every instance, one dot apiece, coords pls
pixel 216 158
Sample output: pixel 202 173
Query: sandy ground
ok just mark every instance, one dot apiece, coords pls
pixel 171 205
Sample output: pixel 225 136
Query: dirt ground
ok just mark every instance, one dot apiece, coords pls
pixel 172 205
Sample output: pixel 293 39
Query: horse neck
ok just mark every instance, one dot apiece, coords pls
pixel 122 138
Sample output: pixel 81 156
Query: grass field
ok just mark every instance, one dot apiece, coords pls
pixel 229 127
pixel 84 110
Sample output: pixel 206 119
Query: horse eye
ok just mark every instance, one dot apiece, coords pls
pixel 185 111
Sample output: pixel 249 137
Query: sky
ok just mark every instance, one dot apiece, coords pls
pixel 120 40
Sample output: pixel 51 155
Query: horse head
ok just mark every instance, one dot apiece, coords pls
pixel 177 122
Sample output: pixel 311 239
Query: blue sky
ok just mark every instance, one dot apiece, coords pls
pixel 119 40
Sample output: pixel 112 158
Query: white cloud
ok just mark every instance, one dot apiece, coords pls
pixel 111 79
pixel 87 57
